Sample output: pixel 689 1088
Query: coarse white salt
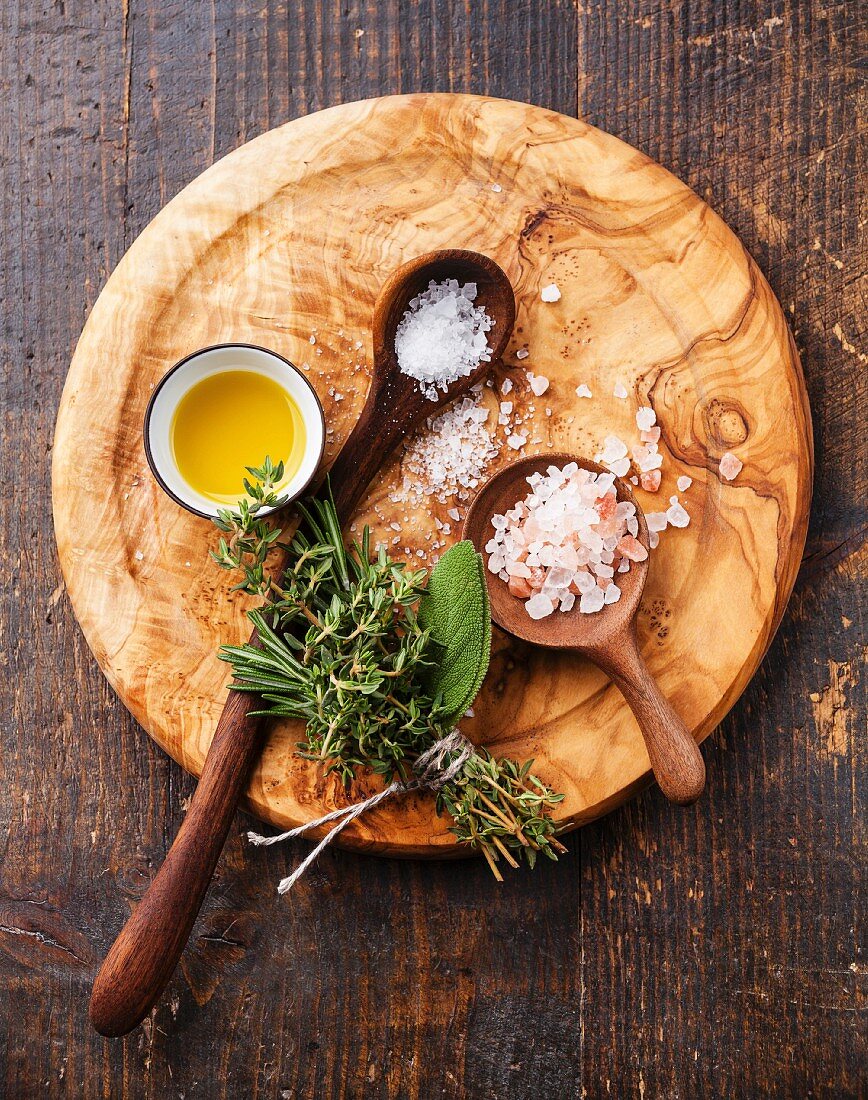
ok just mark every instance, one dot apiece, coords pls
pixel 506 386
pixel 683 483
pixel 517 440
pixel 449 456
pixel 496 188
pixel 550 293
pixel 138 555
pixel 583 391
pixel 567 538
pixel 442 336
pixel 646 418
pixel 620 391
pixel 312 338
pixel 537 382
pixel 730 466
pixel 453 514
pixel 522 353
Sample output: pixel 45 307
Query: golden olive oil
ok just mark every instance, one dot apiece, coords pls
pixel 232 420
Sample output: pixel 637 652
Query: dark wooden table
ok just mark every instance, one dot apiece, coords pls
pixel 707 952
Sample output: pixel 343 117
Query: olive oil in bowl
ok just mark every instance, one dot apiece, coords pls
pixel 223 409
pixel 232 420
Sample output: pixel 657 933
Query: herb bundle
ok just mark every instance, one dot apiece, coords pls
pixel 379 661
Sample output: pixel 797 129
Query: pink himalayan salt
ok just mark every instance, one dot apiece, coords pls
pixel 650 480
pixel 650 435
pixel 730 466
pixel 566 539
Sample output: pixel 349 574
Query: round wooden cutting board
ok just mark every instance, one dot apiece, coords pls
pixel 285 242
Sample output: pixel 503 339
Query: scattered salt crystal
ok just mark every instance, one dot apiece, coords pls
pixel 516 440
pixel 677 516
pixel 442 336
pixel 684 483
pixel 620 467
pixel 634 480
pixel 657 521
pixel 730 466
pixel 620 391
pixel 653 540
pixel 522 353
pixel 646 418
pixel 453 514
pixel 505 408
pixel 611 594
pixel 138 555
pixel 652 435
pixel 506 387
pixel 537 382
pixel 450 455
pixel 650 480
pixel 550 293
pixel 583 391
pixel 496 188
pixel 312 338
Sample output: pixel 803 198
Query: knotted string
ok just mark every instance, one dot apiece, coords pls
pixel 431 772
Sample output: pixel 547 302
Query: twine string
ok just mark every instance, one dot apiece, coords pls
pixel 433 768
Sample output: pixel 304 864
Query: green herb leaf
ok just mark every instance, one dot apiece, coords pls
pixel 455 611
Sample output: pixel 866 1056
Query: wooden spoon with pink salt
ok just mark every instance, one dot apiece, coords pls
pixel 575 564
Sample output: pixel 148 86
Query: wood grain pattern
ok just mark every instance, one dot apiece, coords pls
pixel 657 294
pixel 713 952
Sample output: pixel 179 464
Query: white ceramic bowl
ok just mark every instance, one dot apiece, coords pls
pixel 214 360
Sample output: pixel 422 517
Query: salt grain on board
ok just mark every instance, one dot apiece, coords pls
pixel 550 293
pixel 683 483
pixel 730 466
pixel 620 391
pixel 583 391
pixel 522 353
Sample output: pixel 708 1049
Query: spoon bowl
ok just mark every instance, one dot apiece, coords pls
pixel 607 637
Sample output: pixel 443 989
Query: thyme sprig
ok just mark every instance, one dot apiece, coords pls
pixel 342 649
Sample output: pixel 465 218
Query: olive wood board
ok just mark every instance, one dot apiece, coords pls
pixel 287 241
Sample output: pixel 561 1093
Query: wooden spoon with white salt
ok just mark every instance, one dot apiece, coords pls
pixel 145 954
pixel 607 637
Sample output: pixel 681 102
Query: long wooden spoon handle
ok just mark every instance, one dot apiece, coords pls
pixel 675 757
pixel 144 955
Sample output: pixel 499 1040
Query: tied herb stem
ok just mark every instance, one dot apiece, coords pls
pixel 342 649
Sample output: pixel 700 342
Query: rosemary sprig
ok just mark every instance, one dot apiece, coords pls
pixel 342 649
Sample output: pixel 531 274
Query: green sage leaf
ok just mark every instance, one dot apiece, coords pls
pixel 455 611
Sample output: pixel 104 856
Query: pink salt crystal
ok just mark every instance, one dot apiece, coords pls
pixel 631 548
pixel 519 587
pixel 684 483
pixel 651 435
pixel 537 577
pixel 606 506
pixel 650 480
pixel 583 391
pixel 620 391
pixel 538 606
pixel 612 594
pixel 730 466
pixel 645 418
